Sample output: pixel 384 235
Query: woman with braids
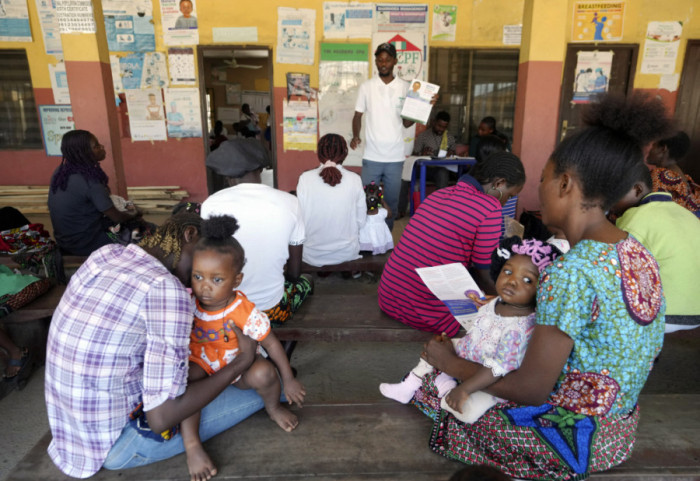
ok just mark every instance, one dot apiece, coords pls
pixel 333 204
pixel 571 408
pixel 460 223
pixel 117 358
pixel 79 203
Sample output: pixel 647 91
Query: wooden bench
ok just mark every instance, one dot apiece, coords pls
pixel 367 263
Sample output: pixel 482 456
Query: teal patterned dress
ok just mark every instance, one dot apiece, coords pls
pixel 608 299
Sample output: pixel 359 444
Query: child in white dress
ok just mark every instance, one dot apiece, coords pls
pixel 375 236
pixel 497 337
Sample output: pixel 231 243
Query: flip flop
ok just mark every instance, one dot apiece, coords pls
pixel 25 368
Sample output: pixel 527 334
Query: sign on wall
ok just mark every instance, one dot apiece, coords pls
pixel 56 120
pixel 597 21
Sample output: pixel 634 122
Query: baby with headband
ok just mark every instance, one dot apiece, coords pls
pixel 497 337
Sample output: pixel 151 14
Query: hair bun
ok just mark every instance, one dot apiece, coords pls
pixel 219 227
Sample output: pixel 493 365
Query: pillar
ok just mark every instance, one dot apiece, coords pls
pixel 92 95
pixel 542 54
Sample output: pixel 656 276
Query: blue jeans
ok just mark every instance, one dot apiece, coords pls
pixel 389 174
pixel 228 409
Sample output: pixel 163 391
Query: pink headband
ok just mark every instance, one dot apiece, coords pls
pixel 540 253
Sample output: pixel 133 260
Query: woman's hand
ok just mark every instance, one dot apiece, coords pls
pixel 294 391
pixel 440 353
pixel 457 397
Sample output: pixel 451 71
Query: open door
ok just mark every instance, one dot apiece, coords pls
pixel 688 107
pixel 620 79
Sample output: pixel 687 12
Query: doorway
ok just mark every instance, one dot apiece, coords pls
pixel 688 107
pixel 230 76
pixel 621 79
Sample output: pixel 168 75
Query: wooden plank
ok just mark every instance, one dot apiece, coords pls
pixel 366 263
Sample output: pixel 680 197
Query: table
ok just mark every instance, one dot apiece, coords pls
pixel 421 164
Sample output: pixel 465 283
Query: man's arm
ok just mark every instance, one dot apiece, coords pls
pixel 356 127
pixel 294 262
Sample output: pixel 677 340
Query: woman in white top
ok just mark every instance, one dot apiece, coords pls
pixel 333 205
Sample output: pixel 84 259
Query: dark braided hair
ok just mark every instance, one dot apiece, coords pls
pixel 503 165
pixel 217 235
pixel 78 158
pixel 603 154
pixel 168 237
pixel 332 147
pixel 373 195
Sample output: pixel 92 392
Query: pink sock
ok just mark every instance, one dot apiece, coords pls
pixel 444 384
pixel 402 391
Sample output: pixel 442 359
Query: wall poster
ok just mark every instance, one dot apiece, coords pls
pixel 56 120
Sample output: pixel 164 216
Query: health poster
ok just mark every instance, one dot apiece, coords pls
pixel 48 18
pixel 300 125
pixel 661 47
pixel 296 35
pixel 14 21
pixel 444 22
pixel 181 66
pixel 56 120
pixel 146 115
pixel 183 115
pixel 179 20
pixel 592 75
pixel 395 17
pixel 129 25
pixel 597 21
pixel 343 20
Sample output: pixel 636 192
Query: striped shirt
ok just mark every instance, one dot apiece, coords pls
pixel 455 224
pixel 119 336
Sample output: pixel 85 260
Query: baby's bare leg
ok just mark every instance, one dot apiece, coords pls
pixel 262 376
pixel 199 464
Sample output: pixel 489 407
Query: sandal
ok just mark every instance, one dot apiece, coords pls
pixel 24 364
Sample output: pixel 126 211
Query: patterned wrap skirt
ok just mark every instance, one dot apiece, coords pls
pixel 532 442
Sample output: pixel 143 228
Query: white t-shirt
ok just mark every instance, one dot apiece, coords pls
pixel 333 217
pixel 270 221
pixel 381 106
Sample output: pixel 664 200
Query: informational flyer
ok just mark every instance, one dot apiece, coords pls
pixel 233 94
pixel 661 47
pixel 179 20
pixel 116 74
pixel 181 66
pixel 14 21
pixel 411 53
pixel 48 18
pixel 296 37
pixel 344 20
pixel 299 87
pixel 183 116
pixel 56 120
pixel 396 17
pixel 598 21
pixel 444 22
pixel 75 16
pixel 131 70
pixel 417 106
pixel 299 125
pixel 512 34
pixel 146 114
pixel 343 67
pixel 452 284
pixel 129 25
pixel 59 83
pixel 592 75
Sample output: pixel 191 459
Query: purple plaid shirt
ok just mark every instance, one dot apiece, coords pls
pixel 119 336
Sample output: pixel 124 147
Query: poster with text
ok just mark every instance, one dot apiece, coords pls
pixel 296 37
pixel 395 17
pixel 46 10
pixel 597 21
pixel 299 125
pixel 341 70
pixel 181 66
pixel 146 114
pixel 116 75
pixel 59 83
pixel 512 34
pixel 411 51
pixel 75 16
pixel 183 116
pixel 343 20
pixel 131 68
pixel 56 120
pixel 592 75
pixel 14 21
pixel 179 20
pixel 444 22
pixel 661 47
pixel 129 25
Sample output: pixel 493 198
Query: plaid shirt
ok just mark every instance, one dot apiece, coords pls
pixel 119 336
pixel 428 138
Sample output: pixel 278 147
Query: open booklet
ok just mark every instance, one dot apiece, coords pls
pixel 417 105
pixel 452 284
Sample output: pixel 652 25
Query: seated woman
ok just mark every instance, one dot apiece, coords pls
pixel 667 176
pixel 333 205
pixel 460 223
pixel 79 204
pixel 571 407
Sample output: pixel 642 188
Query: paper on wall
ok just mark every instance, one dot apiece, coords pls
pixel 146 116
pixel 181 66
pixel 48 18
pixel 59 83
pixel 183 116
pixel 179 24
pixel 661 47
pixel 343 20
pixel 14 21
pixel 129 25
pixel 512 34
pixel 296 37
pixel 444 22
pixel 300 125
pixel 75 16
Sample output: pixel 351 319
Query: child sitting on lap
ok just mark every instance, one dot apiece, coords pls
pixel 375 236
pixel 497 337
pixel 216 272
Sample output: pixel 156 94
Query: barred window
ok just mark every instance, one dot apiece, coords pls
pixel 19 122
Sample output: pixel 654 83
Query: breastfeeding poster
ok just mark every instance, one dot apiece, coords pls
pixel 146 114
pixel 179 20
pixel 597 21
pixel 129 25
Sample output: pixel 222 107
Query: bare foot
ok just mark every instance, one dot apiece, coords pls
pixel 284 418
pixel 200 465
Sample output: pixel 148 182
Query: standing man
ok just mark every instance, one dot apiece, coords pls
pixel 382 99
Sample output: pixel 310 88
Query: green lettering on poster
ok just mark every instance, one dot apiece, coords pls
pixel 344 52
